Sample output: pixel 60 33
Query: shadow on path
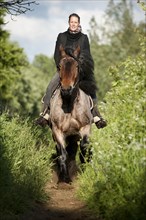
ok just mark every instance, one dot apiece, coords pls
pixel 62 205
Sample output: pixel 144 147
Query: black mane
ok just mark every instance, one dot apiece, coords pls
pixel 86 67
pixel 87 79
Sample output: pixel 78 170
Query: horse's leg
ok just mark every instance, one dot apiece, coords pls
pixel 71 149
pixel 63 166
pixel 61 154
pixel 85 149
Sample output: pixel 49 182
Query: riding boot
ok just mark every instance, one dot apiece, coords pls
pixel 44 118
pixel 97 118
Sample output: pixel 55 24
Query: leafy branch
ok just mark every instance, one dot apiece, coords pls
pixel 142 4
pixel 17 7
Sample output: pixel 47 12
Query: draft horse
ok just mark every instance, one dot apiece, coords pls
pixel 70 113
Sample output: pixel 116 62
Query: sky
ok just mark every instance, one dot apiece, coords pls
pixel 36 31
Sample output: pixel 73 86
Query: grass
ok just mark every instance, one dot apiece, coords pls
pixel 25 164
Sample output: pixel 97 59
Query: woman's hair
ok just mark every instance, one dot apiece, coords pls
pixel 75 15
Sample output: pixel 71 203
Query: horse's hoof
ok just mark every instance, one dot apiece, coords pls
pixel 64 186
pixel 64 180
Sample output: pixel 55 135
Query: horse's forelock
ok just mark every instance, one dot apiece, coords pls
pixel 68 66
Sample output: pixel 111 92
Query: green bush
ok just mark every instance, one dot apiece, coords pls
pixel 24 164
pixel 114 183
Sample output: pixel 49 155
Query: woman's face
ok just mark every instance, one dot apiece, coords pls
pixel 73 23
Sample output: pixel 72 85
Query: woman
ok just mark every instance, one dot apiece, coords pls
pixel 70 39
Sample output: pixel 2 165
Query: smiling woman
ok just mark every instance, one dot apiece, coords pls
pixel 74 23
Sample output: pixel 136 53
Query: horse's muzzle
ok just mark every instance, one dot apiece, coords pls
pixel 67 92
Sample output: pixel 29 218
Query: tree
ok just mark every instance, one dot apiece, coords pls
pixel 45 64
pixel 119 38
pixel 11 63
pixel 22 85
pixel 100 53
pixel 17 7
pixel 93 35
pixel 121 29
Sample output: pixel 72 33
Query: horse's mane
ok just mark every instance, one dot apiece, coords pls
pixel 86 65
pixel 87 74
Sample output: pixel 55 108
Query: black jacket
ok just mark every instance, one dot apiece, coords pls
pixel 71 41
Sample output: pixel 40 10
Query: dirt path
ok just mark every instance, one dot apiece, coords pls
pixel 62 205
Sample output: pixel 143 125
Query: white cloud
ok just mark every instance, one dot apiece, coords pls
pixel 86 16
pixel 34 34
pixel 28 28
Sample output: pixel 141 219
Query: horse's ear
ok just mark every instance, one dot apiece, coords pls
pixel 77 51
pixel 62 51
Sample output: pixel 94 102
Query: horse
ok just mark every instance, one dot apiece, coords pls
pixel 70 114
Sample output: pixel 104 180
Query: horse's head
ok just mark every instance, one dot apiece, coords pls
pixel 69 71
